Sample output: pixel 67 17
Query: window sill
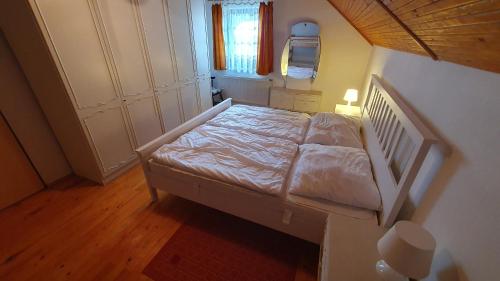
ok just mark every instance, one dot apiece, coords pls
pixel 236 75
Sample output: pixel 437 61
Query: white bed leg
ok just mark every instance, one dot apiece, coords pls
pixel 154 194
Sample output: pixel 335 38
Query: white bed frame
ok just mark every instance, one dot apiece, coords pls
pixel 398 142
pixel 388 124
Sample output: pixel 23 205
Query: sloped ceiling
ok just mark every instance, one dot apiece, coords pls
pixel 459 31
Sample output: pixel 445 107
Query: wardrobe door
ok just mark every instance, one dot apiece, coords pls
pixel 205 94
pixel 144 119
pixel 170 109
pixel 156 28
pixel 189 101
pixel 79 46
pixel 108 132
pixel 123 32
pixel 199 26
pixel 78 51
pixel 181 35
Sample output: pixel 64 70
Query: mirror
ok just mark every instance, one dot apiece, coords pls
pixel 300 57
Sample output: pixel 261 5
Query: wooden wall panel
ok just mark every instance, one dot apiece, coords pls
pixel 461 31
pixel 376 25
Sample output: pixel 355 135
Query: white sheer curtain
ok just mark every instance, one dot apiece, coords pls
pixel 240 24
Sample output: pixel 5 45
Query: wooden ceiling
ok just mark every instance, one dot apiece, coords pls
pixel 461 31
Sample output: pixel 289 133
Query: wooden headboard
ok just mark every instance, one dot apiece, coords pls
pixel 397 141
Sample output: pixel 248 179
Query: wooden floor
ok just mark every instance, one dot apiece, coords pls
pixel 91 232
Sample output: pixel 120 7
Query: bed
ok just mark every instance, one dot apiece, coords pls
pixel 395 139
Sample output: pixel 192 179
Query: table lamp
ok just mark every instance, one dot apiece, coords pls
pixel 406 251
pixel 351 95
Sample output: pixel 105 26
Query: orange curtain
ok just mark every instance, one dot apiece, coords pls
pixel 265 49
pixel 219 51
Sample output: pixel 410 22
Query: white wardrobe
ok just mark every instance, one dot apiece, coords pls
pixel 132 69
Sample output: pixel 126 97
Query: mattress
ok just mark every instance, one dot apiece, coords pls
pixel 264 121
pixel 254 161
pixel 332 207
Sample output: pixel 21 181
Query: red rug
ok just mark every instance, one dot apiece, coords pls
pixel 217 246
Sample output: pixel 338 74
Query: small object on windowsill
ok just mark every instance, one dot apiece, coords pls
pixel 354 111
pixel 216 91
pixel 217 96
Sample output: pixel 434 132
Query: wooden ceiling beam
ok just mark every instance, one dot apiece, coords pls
pixel 408 30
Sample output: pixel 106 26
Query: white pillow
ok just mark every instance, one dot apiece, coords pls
pixel 334 129
pixel 335 173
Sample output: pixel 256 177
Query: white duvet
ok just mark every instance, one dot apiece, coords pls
pixel 264 121
pixel 250 160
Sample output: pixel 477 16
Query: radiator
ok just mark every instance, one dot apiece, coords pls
pixel 245 90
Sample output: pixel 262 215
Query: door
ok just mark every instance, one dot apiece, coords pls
pixel 145 120
pixel 18 177
pixel 108 133
pixel 156 29
pixel 78 50
pixel 205 88
pixel 181 35
pixel 29 124
pixel 99 67
pixel 170 105
pixel 199 26
pixel 121 27
pixel 189 101
pixel 123 31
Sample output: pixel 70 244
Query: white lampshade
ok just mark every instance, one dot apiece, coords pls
pixel 351 95
pixel 408 249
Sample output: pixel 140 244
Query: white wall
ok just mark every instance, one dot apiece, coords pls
pixel 22 111
pixel 344 52
pixel 462 206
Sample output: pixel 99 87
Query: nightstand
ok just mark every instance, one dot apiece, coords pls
pixel 349 250
pixel 354 111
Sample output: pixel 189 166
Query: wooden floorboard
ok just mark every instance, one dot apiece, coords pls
pixel 91 232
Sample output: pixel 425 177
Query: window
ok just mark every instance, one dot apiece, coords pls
pixel 240 26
